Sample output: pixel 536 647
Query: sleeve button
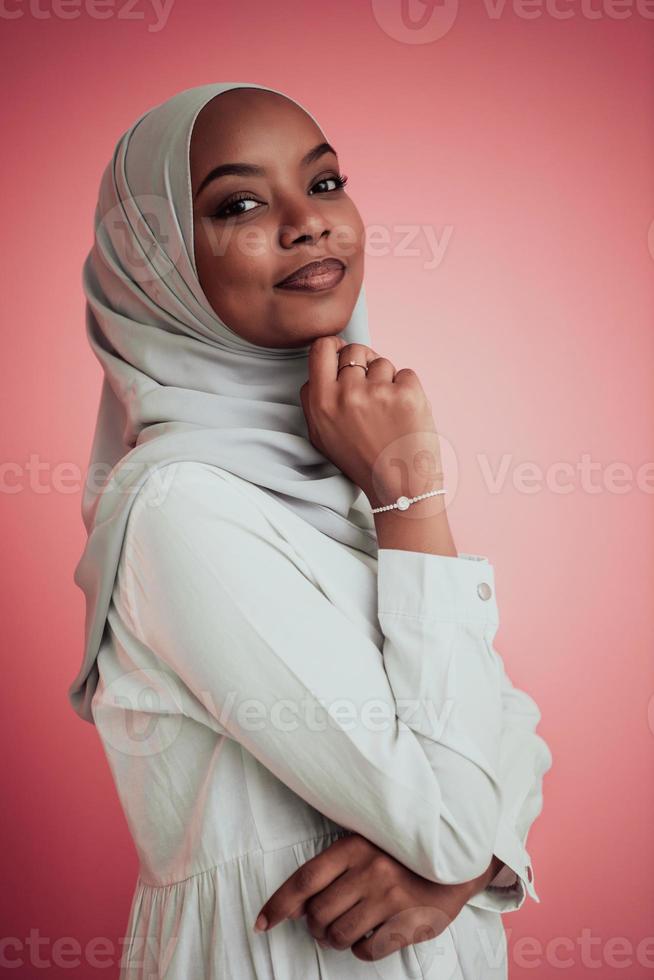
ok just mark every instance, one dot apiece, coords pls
pixel 484 590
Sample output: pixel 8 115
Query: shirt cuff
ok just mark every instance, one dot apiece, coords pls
pixel 502 894
pixel 438 587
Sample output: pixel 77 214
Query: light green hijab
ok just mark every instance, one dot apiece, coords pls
pixel 178 383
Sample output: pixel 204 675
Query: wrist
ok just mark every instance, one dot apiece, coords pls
pixel 403 502
pixel 451 898
pixel 423 532
pixel 384 493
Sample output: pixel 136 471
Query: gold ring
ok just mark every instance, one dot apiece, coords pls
pixel 353 364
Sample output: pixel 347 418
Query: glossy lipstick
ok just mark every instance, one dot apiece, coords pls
pixel 315 277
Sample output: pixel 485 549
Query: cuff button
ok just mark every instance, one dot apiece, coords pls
pixel 484 590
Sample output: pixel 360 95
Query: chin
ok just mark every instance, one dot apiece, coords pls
pixel 333 330
pixel 303 340
pixel 288 336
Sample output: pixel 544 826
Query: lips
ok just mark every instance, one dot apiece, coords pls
pixel 313 270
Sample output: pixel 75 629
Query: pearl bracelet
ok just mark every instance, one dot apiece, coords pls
pixel 402 503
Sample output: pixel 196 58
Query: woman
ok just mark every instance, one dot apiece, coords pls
pixel 324 766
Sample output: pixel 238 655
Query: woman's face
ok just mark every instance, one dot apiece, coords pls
pixel 253 230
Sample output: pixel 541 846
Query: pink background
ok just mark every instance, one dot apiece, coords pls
pixel 531 140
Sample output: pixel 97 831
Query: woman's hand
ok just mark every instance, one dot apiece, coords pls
pixel 353 887
pixel 377 427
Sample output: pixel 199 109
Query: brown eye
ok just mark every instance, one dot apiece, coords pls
pixel 230 204
pixel 230 208
pixel 338 179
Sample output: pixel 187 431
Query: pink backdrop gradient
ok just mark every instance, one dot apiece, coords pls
pixel 527 146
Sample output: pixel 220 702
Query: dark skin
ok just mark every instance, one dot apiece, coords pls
pixel 292 214
pixel 354 888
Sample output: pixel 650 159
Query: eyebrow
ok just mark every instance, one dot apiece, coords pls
pixel 251 170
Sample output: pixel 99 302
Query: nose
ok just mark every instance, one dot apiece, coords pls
pixel 305 225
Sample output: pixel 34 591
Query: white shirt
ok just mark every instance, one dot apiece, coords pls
pixel 252 679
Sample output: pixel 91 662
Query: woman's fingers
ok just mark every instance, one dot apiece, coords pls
pixel 314 876
pixel 323 361
pixel 326 376
pixel 416 925
pixel 359 419
pixel 327 354
pixel 381 369
pixel 335 900
pixel 348 376
pixel 354 924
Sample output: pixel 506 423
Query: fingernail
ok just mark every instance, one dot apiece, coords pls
pixel 321 942
pixel 262 923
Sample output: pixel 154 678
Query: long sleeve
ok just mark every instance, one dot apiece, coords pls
pixel 524 756
pixel 524 759
pixel 223 602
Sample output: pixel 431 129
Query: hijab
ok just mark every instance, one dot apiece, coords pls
pixel 178 383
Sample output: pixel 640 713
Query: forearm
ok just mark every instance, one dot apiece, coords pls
pixel 448 900
pixel 430 533
pixel 427 528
